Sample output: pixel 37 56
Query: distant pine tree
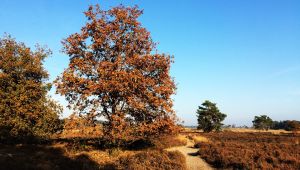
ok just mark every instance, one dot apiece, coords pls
pixel 262 122
pixel 209 117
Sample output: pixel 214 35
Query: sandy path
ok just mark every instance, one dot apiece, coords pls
pixel 193 161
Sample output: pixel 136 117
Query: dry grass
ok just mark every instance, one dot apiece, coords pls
pixel 169 141
pixel 198 138
pixel 280 131
pixel 255 130
pixel 191 130
pixel 182 139
pixel 154 160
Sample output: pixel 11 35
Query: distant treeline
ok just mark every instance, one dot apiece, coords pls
pixel 288 125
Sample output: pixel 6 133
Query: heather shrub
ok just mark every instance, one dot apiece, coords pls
pixel 231 150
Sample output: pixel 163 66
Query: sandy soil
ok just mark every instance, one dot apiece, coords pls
pixel 193 161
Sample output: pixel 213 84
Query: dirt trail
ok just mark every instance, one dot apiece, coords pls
pixel 193 161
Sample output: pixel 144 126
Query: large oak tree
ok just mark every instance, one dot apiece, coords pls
pixel 115 75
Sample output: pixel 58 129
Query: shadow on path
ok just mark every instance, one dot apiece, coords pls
pixel 27 157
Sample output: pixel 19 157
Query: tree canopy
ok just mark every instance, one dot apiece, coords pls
pixel 114 75
pixel 289 125
pixel 25 109
pixel 209 117
pixel 263 122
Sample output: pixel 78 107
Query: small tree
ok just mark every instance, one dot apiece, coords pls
pixel 25 109
pixel 262 122
pixel 209 117
pixel 114 75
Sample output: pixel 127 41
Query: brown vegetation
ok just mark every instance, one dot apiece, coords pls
pixel 72 154
pixel 168 141
pixel 250 130
pixel 196 138
pixel 26 113
pixel 154 160
pixel 251 150
pixel 119 90
pixel 80 127
pixel 113 75
pixel 41 157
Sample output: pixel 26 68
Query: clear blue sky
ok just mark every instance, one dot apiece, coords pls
pixel 243 55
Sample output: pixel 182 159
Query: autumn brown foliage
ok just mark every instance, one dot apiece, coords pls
pixel 113 75
pixel 251 150
pixel 25 110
